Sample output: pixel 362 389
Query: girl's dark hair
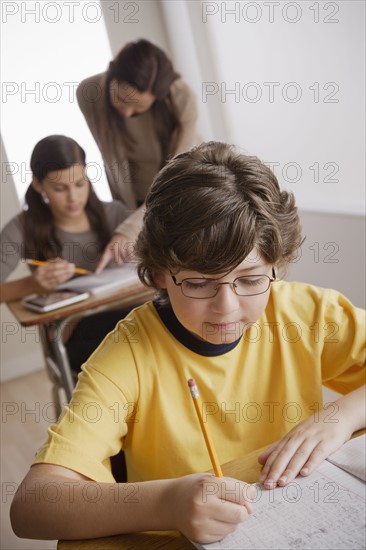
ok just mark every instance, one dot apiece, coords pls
pixel 146 67
pixel 40 241
pixel 208 208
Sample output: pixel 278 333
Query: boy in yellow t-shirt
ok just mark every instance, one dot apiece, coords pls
pixel 217 230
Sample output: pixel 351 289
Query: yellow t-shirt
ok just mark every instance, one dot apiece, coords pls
pixel 133 391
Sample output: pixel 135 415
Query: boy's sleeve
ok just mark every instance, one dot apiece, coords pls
pixel 92 426
pixel 344 344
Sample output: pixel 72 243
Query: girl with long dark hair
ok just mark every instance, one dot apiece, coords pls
pixel 65 224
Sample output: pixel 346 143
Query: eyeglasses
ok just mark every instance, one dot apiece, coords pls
pixel 249 285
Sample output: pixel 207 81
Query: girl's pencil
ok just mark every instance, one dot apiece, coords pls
pixel 78 270
pixel 206 434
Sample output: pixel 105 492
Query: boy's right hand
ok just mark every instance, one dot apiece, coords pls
pixel 206 508
pixel 53 273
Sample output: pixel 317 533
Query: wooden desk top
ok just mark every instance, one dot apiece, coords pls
pixel 245 468
pixel 136 292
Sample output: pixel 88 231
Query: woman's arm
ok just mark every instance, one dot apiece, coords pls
pixel 313 440
pixel 54 502
pixel 185 105
pixel 120 249
pixel 89 95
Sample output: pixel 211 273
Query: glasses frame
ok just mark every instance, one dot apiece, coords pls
pixel 232 285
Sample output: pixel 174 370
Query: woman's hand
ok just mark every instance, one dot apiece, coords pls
pixel 53 273
pixel 120 249
pixel 303 449
pixel 207 508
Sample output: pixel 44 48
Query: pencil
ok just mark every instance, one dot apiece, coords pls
pixel 78 270
pixel 206 434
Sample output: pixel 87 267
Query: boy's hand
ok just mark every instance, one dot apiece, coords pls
pixel 52 274
pixel 206 508
pixel 304 448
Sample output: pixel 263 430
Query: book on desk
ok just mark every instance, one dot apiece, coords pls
pixel 105 282
pixel 325 510
pixel 80 288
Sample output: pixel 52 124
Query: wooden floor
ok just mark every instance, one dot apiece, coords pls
pixel 27 411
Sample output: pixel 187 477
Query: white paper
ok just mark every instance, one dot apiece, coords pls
pixel 352 457
pixel 323 511
pixel 104 282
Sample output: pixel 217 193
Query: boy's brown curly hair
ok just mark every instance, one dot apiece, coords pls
pixel 208 208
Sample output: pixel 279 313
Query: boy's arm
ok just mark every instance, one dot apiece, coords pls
pixel 57 503
pixel 313 440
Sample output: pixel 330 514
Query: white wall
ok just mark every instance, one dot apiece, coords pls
pixel 184 43
pixel 49 47
pixel 312 135
pixel 333 254
pixel 290 81
pixel 20 350
pixel 126 21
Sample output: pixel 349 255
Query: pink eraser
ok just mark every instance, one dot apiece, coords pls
pixel 191 383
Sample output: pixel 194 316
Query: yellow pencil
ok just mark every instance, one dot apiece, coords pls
pixel 78 270
pixel 206 434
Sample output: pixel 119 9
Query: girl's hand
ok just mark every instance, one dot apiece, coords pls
pixel 207 508
pixel 304 448
pixel 120 249
pixel 53 273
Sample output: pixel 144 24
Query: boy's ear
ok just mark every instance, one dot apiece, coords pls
pixel 159 278
pixel 36 184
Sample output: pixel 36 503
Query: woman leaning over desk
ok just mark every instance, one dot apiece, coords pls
pixel 140 112
pixel 65 224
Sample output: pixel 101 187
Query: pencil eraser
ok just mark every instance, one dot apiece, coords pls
pixel 191 383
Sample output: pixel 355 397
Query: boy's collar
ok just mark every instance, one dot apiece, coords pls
pixel 183 336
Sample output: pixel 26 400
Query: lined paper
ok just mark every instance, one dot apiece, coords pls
pixel 325 510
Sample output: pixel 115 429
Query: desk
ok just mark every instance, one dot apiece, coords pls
pixel 245 468
pixel 52 325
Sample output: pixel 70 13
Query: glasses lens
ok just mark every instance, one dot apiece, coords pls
pixel 199 288
pixel 249 286
pixel 208 288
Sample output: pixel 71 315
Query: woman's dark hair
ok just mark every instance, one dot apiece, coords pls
pixel 40 240
pixel 146 67
pixel 208 208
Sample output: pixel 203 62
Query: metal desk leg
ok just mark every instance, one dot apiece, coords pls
pixel 57 363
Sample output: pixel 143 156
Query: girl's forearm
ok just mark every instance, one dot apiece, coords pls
pixel 14 290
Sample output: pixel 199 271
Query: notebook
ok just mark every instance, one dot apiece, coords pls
pixel 325 510
pixel 105 282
